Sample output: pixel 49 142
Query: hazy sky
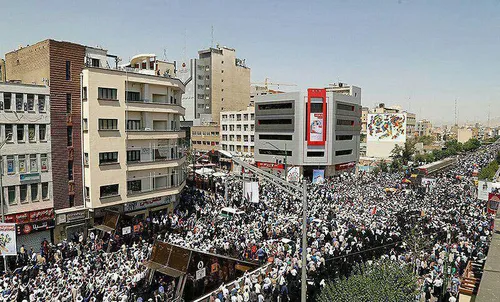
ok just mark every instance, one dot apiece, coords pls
pixel 416 53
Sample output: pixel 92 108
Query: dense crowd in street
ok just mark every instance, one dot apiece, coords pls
pixel 352 219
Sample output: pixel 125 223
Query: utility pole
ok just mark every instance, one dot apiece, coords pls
pixel 8 138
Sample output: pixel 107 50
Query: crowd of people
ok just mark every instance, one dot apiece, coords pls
pixel 351 219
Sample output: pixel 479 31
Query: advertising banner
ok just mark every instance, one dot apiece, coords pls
pixel 386 127
pixel 318 176
pixel 428 182
pixel 8 239
pixel 293 174
pixel 251 191
pixel 483 190
pixel 493 201
pixel 316 116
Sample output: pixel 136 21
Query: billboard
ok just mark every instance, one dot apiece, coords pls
pixel 493 201
pixel 318 176
pixel 293 174
pixel 251 191
pixel 8 239
pixel 386 127
pixel 484 188
pixel 316 116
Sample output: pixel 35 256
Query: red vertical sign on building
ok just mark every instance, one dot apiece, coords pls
pixel 316 116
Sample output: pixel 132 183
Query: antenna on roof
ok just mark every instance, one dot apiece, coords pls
pixel 212 43
pixel 165 54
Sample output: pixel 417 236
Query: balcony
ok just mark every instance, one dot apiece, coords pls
pixel 150 187
pixel 155 161
pixel 156 106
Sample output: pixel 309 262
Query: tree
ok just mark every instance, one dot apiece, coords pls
pixel 383 166
pixel 403 153
pixel 471 144
pixel 384 280
pixel 426 140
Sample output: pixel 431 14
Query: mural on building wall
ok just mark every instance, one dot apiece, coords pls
pixel 386 127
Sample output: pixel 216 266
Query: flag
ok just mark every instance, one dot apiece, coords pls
pixel 374 210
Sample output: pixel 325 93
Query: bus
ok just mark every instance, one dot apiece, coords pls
pixel 436 166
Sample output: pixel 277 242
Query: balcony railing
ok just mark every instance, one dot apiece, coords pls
pixel 147 129
pixel 157 156
pixel 154 184
pixel 148 101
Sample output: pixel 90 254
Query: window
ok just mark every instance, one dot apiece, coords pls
pixel 275 106
pixel 70 170
pixel 68 70
pixel 85 159
pixel 44 162
pixel 41 103
pixel 133 125
pixel 224 127
pixel 33 163
pixel 31 133
pixel 23 193
pixel 277 137
pixel 34 192
pixel 134 186
pixel 7 101
pixel 109 191
pixel 31 102
pixel 42 131
pixel 107 94
pixel 8 132
pixel 84 93
pixel 20 132
pixel 85 125
pixel 108 124
pixel 11 190
pixel 315 154
pixel 275 152
pixel 108 158
pixel 252 116
pixel 10 164
pixel 87 192
pixel 345 107
pixel 69 131
pixel 68 103
pixel 133 96
pixel 316 107
pixel 345 123
pixel 45 190
pixel 95 62
pixel 343 152
pixel 21 163
pixel 343 137
pixel 282 121
pixel 71 200
pixel 238 127
pixel 252 138
pixel 19 102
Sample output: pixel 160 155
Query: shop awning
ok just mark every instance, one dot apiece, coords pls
pixel 163 269
pixel 104 228
pixel 225 153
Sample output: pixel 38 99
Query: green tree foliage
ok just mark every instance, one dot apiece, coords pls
pixel 404 153
pixel 383 281
pixel 471 144
pixel 489 171
pixel 383 166
pixel 453 147
pixel 426 140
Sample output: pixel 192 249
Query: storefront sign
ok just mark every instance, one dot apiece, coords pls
pixel 75 216
pixel 8 239
pixel 148 203
pixel 345 166
pixel 28 228
pixel 201 273
pixel 32 216
pixel 270 165
pixel 29 178
pixel 61 218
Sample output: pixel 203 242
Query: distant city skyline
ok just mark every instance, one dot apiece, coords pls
pixel 421 55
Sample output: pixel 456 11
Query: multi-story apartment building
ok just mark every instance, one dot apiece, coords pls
pixel 2 70
pixel 319 130
pixel 58 64
pixel 220 82
pixel 424 128
pixel 131 138
pixel 25 157
pixel 238 131
pixel 411 119
pixel 206 137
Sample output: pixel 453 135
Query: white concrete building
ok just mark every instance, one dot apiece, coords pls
pixel 238 131
pixel 26 179
pixel 131 138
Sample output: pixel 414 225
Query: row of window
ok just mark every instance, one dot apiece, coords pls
pixel 25 133
pixel 205 133
pixel 238 117
pixel 277 121
pixel 207 143
pixel 238 127
pixel 232 137
pixel 26 193
pixel 25 163
pixel 21 102
pixel 237 148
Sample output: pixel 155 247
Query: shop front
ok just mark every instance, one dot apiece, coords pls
pixel 32 227
pixel 70 223
pixel 143 208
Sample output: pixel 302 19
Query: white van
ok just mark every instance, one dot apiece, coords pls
pixel 230 213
